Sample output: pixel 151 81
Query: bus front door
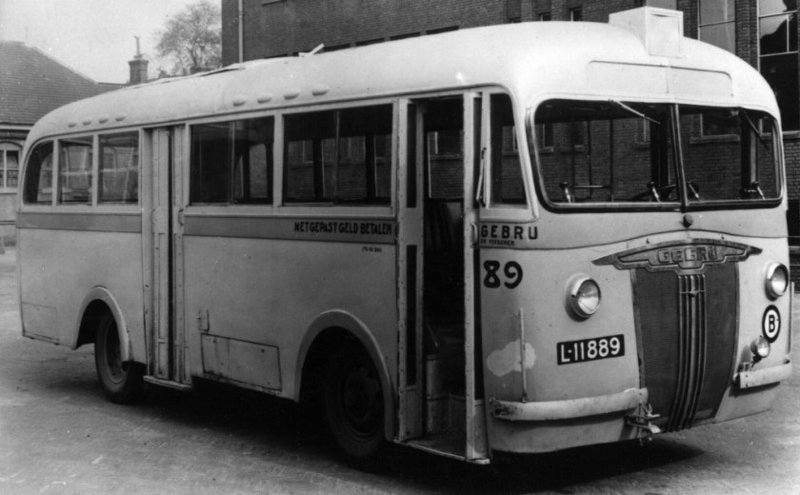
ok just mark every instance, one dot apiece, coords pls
pixel 437 381
pixel 162 198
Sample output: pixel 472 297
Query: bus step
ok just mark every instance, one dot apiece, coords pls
pixel 182 387
pixel 451 444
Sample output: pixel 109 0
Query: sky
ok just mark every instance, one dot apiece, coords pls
pixel 93 37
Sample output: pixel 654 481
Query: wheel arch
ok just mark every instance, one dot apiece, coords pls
pixel 338 325
pixel 97 301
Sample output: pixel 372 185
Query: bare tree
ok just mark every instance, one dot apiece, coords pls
pixel 191 39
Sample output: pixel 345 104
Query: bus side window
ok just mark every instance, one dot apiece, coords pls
pixel 232 162
pixel 119 168
pixel 252 171
pixel 210 163
pixel 508 185
pixel 339 156
pixel 75 171
pixel 39 175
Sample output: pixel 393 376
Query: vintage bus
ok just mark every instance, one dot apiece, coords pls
pixel 518 238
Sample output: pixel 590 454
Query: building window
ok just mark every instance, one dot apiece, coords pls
pixel 545 16
pixel 717 23
pixel 9 165
pixel 514 10
pixel 576 14
pixel 777 23
pixel 544 134
pixel 717 26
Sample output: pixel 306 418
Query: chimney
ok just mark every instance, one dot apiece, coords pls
pixel 138 67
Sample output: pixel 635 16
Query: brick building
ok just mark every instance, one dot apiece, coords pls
pixel 762 32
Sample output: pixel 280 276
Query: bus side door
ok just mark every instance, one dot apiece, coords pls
pixel 163 201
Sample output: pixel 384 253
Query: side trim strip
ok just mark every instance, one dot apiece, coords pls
pixel 357 230
pixel 568 409
pixel 91 222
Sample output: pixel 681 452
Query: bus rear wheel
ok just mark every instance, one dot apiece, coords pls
pixel 122 382
pixel 353 402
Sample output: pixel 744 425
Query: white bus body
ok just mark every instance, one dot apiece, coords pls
pixel 385 231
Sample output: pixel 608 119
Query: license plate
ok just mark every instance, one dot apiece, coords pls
pixel 579 351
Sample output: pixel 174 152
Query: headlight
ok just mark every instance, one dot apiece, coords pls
pixel 583 296
pixel 777 280
pixel 760 348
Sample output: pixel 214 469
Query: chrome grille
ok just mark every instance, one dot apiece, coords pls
pixel 691 349
pixel 686 323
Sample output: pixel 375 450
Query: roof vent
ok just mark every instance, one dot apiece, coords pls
pixel 660 30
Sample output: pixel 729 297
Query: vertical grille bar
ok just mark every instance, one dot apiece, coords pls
pixel 691 352
pixel 699 358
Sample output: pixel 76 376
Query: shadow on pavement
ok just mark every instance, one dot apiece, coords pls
pixel 267 425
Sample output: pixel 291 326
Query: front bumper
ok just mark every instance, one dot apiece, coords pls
pixel 622 401
pixel 572 408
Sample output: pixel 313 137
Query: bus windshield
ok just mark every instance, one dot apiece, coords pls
pixel 618 154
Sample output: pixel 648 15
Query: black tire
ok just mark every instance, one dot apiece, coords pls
pixel 122 382
pixel 354 410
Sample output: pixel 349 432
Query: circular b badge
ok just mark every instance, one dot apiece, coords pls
pixel 771 324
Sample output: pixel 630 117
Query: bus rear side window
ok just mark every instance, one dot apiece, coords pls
pixel 39 175
pixel 75 171
pixel 339 156
pixel 119 168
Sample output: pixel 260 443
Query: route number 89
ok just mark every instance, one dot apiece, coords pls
pixel 511 276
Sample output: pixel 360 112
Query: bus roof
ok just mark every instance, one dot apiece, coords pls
pixel 531 60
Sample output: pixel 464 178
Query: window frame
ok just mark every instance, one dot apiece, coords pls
pixel 278 207
pixel 92 176
pixel 230 132
pixel 796 53
pixel 92 206
pixel 5 148
pixel 626 207
pixel 314 206
pixel 53 142
pixel 701 24
pixel 98 177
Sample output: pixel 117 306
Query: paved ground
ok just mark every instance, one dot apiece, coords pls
pixel 58 435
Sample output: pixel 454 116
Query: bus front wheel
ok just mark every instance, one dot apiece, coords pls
pixel 122 382
pixel 353 399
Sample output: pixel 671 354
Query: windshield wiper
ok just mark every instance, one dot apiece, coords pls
pixel 754 128
pixel 634 111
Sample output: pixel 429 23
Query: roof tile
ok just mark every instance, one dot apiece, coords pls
pixel 32 84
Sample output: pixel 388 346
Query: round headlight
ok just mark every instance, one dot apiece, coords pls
pixel 583 296
pixel 777 280
pixel 760 347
